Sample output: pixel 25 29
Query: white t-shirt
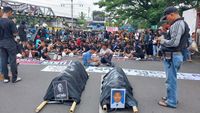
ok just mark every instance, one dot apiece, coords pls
pixel 103 52
pixel 117 105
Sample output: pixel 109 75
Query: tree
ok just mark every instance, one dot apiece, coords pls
pixel 81 20
pixel 149 11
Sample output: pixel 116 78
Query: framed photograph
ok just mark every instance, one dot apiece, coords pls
pixel 60 90
pixel 118 98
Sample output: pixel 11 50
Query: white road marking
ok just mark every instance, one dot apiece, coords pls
pixel 130 72
pixel 100 109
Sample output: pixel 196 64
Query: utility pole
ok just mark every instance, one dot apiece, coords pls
pixel 72 12
pixel 1 3
pixel 88 12
pixel 72 15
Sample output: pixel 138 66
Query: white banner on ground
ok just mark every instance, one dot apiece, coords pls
pixel 53 68
pixel 145 73
pixel 131 72
pixel 52 62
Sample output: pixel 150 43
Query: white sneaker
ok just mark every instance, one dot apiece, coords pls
pixel 137 59
pixel 6 81
pixel 55 57
pixel 17 80
pixel 59 57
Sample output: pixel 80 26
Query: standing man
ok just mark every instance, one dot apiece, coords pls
pixel 8 45
pixel 172 44
pixel 22 32
pixel 1 75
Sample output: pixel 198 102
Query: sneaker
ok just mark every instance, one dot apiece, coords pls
pixel 17 80
pixel 6 81
pixel 138 59
pixel 112 64
pixel 108 64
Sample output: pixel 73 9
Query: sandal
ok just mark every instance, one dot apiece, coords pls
pixel 164 104
pixel 164 98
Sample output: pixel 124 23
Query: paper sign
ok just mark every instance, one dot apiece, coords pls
pixel 60 90
pixel 118 98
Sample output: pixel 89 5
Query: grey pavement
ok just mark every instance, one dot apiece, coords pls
pixel 25 96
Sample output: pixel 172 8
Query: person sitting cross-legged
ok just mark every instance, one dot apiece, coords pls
pixel 88 60
pixel 106 55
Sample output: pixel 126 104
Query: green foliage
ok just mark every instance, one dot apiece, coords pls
pixel 29 19
pixel 147 12
pixel 81 20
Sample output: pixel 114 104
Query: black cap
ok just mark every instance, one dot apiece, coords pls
pixel 6 9
pixel 167 11
pixel 23 22
pixel 93 48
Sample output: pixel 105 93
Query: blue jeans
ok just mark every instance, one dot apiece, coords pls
pixel 186 54
pixel 171 68
pixel 155 50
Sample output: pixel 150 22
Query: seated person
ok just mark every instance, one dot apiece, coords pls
pixel 43 51
pixel 118 50
pixel 45 54
pixel 66 50
pixel 29 50
pixel 59 50
pixel 88 60
pixel 128 53
pixel 106 55
pixel 73 48
pixel 139 53
pixel 37 43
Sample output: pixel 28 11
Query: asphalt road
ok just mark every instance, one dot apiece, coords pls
pixel 25 96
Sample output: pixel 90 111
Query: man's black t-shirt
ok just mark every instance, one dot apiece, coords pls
pixel 9 28
pixel 21 30
pixel 72 47
pixel 87 48
pixel 59 49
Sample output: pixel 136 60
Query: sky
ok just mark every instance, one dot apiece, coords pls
pixel 85 6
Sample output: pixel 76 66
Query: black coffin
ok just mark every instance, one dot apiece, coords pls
pixel 76 78
pixel 116 78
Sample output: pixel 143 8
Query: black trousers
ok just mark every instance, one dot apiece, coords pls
pixel 107 59
pixel 8 55
pixel 23 38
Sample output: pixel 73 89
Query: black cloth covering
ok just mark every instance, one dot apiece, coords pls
pixel 76 78
pixel 116 78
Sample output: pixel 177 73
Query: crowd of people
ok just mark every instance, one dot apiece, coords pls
pixel 65 42
pixel 102 46
pixel 98 48
pixel 141 45
pixel 95 47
